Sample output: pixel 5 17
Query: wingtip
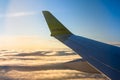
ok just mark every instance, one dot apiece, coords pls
pixel 55 26
pixel 45 11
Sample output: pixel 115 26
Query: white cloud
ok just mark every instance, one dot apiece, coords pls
pixel 19 14
pixel 114 43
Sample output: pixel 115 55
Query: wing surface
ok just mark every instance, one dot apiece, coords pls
pixel 104 57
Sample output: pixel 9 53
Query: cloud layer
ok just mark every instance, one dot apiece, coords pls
pixel 18 14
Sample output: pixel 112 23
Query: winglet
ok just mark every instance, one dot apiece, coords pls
pixel 54 25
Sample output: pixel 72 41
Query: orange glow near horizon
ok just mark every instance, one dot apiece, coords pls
pixel 27 43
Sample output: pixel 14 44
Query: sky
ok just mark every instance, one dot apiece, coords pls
pixel 23 24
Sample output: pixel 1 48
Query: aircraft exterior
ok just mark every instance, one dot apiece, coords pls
pixel 101 56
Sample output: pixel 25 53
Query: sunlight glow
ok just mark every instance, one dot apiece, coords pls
pixel 27 43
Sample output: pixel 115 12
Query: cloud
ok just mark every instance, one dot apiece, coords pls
pixel 114 43
pixel 19 14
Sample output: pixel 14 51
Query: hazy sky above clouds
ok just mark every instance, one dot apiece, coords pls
pixel 96 19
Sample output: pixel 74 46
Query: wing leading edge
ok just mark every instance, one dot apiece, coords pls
pixel 104 57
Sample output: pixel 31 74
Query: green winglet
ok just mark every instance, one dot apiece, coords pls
pixel 54 25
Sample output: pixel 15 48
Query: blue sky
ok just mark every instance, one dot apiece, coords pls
pixel 96 19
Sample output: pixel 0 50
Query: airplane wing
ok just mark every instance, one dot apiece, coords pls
pixel 104 57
